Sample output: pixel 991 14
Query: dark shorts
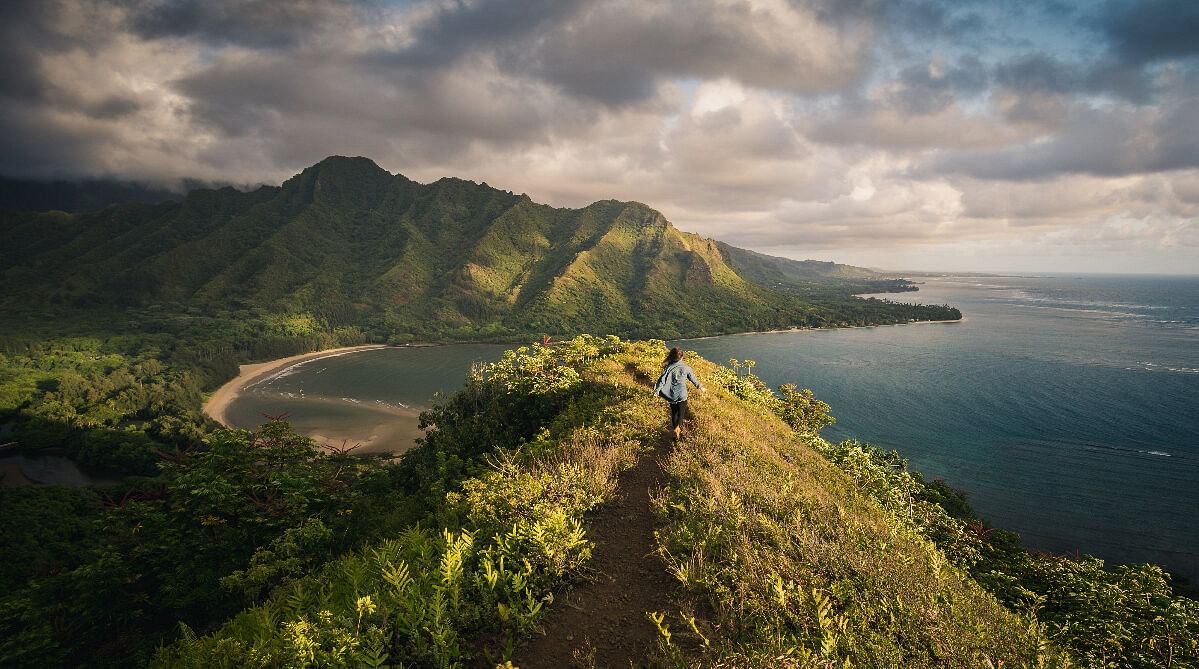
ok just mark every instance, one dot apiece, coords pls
pixel 678 411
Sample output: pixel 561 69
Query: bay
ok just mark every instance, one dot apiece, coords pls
pixel 371 399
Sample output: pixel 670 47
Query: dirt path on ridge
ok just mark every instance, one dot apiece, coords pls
pixel 602 620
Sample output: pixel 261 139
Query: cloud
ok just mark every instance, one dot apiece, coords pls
pixel 1150 30
pixel 862 126
pixel 616 52
pixel 930 87
pixel 1105 140
pixel 619 52
pixel 449 32
pixel 249 23
pixel 27 29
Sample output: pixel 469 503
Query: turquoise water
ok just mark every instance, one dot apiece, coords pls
pixel 1064 406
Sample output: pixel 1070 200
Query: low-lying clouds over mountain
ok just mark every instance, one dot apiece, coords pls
pixel 911 133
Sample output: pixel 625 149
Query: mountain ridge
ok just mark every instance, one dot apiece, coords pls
pixel 356 245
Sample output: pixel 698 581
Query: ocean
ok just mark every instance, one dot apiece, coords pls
pixel 1065 406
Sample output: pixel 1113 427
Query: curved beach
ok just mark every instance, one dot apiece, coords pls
pixel 216 405
pixel 381 428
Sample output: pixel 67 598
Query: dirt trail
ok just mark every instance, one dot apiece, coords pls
pixel 602 622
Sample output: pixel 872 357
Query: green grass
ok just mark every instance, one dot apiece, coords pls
pixel 786 562
pixel 781 559
pixel 466 587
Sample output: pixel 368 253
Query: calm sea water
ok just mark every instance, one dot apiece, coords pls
pixel 1067 407
pixel 353 396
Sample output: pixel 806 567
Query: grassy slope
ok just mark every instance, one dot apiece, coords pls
pixel 782 556
pixel 779 558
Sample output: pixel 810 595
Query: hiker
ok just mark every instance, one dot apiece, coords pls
pixel 672 387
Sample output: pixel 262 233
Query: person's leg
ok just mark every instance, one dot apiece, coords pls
pixel 678 411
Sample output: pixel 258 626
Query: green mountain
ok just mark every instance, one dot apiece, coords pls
pixel 806 276
pixel 348 243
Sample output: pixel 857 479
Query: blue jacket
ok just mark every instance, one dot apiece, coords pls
pixel 672 385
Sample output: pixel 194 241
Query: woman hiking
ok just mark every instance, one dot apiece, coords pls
pixel 672 387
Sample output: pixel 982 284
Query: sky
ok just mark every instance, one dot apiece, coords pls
pixel 907 134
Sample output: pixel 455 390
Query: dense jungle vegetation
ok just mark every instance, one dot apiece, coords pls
pixel 258 549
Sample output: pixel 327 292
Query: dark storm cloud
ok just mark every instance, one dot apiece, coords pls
pixel 617 53
pixel 26 27
pixel 1150 30
pixel 251 23
pixel 1039 72
pixel 31 30
pixel 258 95
pixel 1044 73
pixel 33 145
pixel 32 141
pixel 458 30
pixel 112 107
pixel 1132 38
pixel 926 19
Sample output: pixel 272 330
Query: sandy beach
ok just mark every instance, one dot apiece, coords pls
pixel 388 430
pixel 248 374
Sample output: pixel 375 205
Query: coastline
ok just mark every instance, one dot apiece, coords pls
pixel 216 405
pixel 382 437
pixel 824 329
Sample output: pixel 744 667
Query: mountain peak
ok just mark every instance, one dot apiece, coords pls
pixel 347 163
pixel 342 181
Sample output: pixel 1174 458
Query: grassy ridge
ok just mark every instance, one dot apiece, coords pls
pixel 787 549
pixel 780 557
pixel 787 562
pixel 478 572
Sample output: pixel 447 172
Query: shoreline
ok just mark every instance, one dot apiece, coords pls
pixel 216 405
pixel 824 329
